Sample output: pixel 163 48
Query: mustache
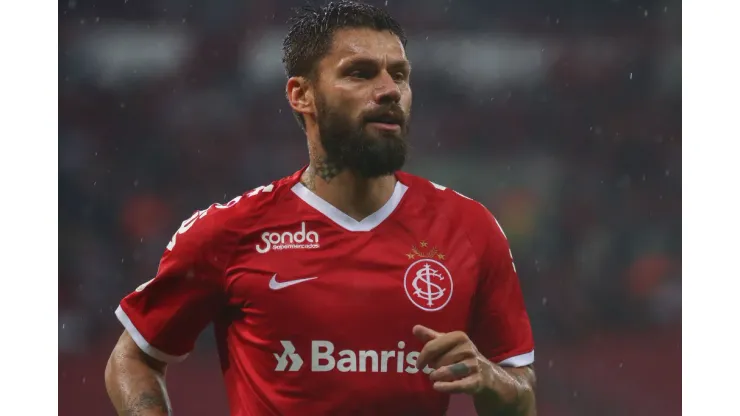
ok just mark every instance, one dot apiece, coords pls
pixel 393 114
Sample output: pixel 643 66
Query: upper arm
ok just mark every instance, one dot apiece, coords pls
pixel 500 325
pixel 127 349
pixel 165 315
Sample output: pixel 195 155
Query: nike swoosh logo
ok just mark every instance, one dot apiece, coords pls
pixel 275 285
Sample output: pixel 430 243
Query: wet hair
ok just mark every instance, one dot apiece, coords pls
pixel 312 29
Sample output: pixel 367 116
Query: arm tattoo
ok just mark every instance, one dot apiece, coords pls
pixel 149 400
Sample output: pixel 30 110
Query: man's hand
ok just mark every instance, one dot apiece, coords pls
pixel 460 368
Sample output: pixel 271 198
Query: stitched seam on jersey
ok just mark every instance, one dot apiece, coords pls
pixel 278 195
pixel 229 260
pixel 479 257
pixel 466 231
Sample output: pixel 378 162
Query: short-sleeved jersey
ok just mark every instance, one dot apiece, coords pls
pixel 313 310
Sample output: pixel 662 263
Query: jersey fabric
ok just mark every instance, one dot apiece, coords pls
pixel 313 310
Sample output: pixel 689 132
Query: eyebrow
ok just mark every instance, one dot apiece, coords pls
pixel 393 64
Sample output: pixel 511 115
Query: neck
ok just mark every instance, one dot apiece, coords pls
pixel 356 196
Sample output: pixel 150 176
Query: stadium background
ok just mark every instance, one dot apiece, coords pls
pixel 562 116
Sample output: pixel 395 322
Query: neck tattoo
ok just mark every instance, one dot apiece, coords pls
pixel 321 168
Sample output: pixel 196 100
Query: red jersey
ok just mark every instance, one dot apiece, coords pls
pixel 313 310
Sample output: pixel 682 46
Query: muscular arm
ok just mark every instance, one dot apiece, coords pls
pixel 135 381
pixel 511 394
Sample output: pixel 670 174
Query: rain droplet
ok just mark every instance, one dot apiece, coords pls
pixel 123 105
pixel 550 363
pixel 136 183
pixel 386 2
pixel 630 75
pixel 665 9
pixel 646 13
pixel 621 365
pixel 667 172
pixel 84 379
pixel 575 393
pixel 544 301
pixel 63 325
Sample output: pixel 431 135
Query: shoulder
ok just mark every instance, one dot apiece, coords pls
pixel 220 225
pixel 473 217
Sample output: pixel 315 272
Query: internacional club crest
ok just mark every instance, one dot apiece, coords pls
pixel 427 281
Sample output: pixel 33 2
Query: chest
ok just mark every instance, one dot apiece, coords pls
pixel 337 282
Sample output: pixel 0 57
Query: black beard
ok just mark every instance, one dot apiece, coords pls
pixel 348 145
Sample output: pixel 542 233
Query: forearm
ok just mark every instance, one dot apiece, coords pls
pixel 511 394
pixel 135 388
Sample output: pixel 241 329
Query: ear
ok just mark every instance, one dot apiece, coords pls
pixel 300 95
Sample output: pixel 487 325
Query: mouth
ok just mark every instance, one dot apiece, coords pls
pixel 385 126
pixel 387 121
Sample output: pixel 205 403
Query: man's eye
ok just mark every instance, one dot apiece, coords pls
pixel 360 74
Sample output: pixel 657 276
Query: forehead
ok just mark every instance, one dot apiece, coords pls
pixel 365 43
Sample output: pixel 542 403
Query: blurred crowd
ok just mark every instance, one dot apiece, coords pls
pixel 563 117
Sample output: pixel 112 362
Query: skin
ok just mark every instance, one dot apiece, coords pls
pixel 460 368
pixel 135 381
pixel 364 69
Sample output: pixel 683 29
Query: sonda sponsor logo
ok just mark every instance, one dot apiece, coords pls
pixel 299 240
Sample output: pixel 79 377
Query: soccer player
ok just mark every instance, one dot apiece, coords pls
pixel 349 287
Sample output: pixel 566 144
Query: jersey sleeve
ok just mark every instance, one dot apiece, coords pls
pixel 165 315
pixel 500 325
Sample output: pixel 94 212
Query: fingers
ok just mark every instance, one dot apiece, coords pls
pixel 455 371
pixel 458 353
pixel 440 347
pixel 469 385
pixel 457 364
pixel 425 334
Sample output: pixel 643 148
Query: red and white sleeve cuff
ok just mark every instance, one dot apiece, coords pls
pixel 143 344
pixel 521 360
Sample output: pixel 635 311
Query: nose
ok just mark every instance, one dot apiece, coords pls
pixel 387 90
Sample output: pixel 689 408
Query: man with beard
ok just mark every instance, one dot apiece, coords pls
pixel 349 287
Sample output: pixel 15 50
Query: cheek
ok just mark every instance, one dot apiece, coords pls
pixel 406 99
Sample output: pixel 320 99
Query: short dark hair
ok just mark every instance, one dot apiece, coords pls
pixel 312 29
